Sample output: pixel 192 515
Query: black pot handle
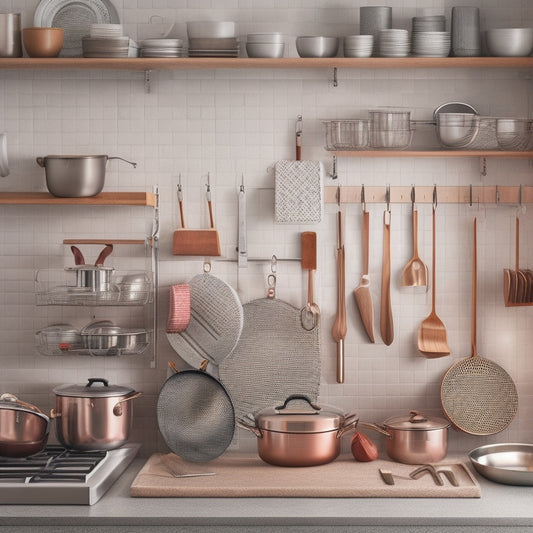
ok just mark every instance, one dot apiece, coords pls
pixel 298 397
pixel 97 380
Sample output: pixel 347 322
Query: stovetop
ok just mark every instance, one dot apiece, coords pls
pixel 60 476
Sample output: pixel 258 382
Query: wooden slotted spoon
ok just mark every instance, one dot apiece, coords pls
pixel 414 273
pixel 432 337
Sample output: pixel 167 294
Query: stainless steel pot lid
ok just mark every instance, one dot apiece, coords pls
pixel 303 416
pixel 416 421
pixel 95 388
pixel 10 401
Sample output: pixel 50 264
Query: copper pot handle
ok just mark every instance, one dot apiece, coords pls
pixel 377 428
pixel 54 414
pixel 255 430
pixel 350 422
pixel 117 409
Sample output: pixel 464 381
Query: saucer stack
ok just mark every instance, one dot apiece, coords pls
pixel 107 40
pixel 393 43
pixel 162 48
pixel 358 45
pixel 429 37
pixel 212 39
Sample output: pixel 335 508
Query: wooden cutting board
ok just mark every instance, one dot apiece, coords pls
pixel 247 476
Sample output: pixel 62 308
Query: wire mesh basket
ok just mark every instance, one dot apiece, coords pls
pixel 347 134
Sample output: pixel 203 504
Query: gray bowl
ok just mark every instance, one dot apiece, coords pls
pixel 310 46
pixel 510 42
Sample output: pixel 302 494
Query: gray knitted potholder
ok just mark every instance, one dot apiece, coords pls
pixel 215 325
pixel 274 358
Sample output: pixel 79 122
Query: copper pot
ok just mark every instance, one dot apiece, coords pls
pixel 93 417
pixel 24 428
pixel 296 436
pixel 414 439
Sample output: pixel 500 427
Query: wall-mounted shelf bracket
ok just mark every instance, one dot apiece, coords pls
pixel 483 166
pixel 335 77
pixel 147 81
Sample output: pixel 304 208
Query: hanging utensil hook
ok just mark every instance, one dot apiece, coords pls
pixel 387 197
pixel 413 197
pixel 299 124
pixel 363 201
pixel 434 197
pixel 242 183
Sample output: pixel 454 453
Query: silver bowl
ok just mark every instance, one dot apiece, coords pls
pixel 310 46
pixel 510 464
pixel 510 42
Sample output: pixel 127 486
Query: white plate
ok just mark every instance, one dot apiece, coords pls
pixel 76 18
pixel 161 43
pixel 4 167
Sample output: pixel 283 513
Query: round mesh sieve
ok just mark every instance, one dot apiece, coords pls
pixel 478 396
pixel 195 416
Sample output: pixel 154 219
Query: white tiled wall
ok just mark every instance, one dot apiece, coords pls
pixel 234 123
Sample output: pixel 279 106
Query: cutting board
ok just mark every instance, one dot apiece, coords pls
pixel 247 476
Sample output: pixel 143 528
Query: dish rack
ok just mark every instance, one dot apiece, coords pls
pixel 58 287
pixel 97 339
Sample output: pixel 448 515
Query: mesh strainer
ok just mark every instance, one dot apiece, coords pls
pixel 195 416
pixel 477 395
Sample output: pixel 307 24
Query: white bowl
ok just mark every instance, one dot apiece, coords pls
pixel 210 29
pixel 264 38
pixel 265 49
pixel 310 46
pixel 510 42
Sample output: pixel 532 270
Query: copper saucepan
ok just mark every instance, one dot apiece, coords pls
pixel 296 436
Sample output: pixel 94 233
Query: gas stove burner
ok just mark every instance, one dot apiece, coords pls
pixel 57 475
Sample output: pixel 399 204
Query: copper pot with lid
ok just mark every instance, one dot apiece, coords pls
pixel 24 428
pixel 299 435
pixel 415 438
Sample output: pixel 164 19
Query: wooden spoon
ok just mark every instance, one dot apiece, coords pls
pixel 414 273
pixel 432 338
pixel 386 321
pixel 339 326
pixel 309 316
pixel 362 295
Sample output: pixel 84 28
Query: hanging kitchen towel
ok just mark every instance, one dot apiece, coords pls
pixel 179 308
pixel 298 192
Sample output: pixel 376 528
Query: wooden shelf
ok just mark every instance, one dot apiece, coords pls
pixel 105 198
pixel 502 154
pixel 262 63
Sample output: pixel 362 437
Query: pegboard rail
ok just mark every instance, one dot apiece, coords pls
pixel 486 194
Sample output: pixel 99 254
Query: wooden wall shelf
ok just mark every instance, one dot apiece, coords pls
pixel 501 154
pixel 145 64
pixel 104 198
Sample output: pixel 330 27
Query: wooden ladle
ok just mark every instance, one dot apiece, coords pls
pixel 414 273
pixel 432 337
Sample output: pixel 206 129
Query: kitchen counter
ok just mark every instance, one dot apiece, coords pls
pixel 500 508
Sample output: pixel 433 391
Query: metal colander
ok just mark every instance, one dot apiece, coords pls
pixel 195 416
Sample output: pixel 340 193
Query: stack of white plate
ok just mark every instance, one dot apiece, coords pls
pixel 162 48
pixel 358 45
pixel 212 39
pixel 105 31
pixel 393 43
pixel 429 23
pixel 432 43
pixel 265 45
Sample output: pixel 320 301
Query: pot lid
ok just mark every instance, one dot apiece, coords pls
pixel 303 416
pixel 10 401
pixel 95 388
pixel 416 421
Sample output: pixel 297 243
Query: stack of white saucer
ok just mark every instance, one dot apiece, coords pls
pixel 429 37
pixel 358 45
pixel 393 43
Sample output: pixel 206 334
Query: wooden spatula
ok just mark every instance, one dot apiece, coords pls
pixel 311 312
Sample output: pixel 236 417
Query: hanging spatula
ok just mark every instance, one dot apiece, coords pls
pixel 310 313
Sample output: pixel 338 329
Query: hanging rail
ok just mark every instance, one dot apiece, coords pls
pixel 485 194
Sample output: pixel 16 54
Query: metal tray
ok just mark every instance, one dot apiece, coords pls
pixel 510 464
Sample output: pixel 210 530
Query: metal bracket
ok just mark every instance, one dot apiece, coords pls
pixel 147 81
pixel 483 166
pixel 335 78
pixel 334 174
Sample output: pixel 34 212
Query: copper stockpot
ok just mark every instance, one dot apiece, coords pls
pixel 90 417
pixel 296 436
pixel 414 439
pixel 24 428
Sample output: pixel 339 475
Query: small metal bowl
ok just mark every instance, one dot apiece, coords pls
pixel 311 46
pixel 114 340
pixel 510 464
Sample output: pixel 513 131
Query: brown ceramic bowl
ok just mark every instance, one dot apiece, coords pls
pixel 42 42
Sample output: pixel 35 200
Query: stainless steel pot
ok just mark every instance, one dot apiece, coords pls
pixel 24 428
pixel 76 176
pixel 414 439
pixel 296 436
pixel 93 417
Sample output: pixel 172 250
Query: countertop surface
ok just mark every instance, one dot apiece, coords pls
pixel 499 506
